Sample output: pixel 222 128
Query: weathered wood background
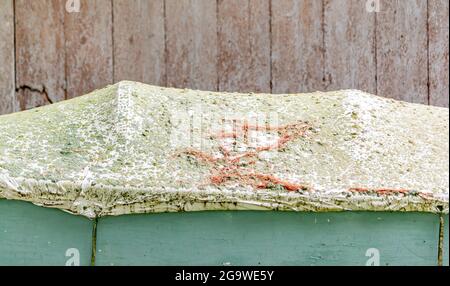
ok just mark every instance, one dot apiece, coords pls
pixel 48 54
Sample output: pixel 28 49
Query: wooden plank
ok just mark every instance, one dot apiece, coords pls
pixel 7 73
pixel 89 59
pixel 191 43
pixel 446 241
pixel 402 50
pixel 139 41
pixel 438 26
pixel 244 45
pixel 268 238
pixel 297 46
pixel 349 46
pixel 40 57
pixel 32 235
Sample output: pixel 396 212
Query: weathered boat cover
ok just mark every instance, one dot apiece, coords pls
pixel 135 148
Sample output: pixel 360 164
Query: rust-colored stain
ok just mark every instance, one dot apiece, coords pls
pixel 380 191
pixel 389 192
pixel 233 167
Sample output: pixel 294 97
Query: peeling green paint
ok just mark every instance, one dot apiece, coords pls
pixel 113 152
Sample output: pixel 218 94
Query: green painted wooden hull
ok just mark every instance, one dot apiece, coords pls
pixel 31 235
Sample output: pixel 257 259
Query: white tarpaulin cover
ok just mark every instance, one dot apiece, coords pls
pixel 135 148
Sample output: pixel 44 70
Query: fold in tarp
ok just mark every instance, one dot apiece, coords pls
pixel 135 148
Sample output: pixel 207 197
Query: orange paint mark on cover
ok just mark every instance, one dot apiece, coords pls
pixel 229 168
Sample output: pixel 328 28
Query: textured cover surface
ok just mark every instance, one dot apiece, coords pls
pixel 135 148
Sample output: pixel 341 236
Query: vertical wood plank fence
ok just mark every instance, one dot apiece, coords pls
pixel 48 54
